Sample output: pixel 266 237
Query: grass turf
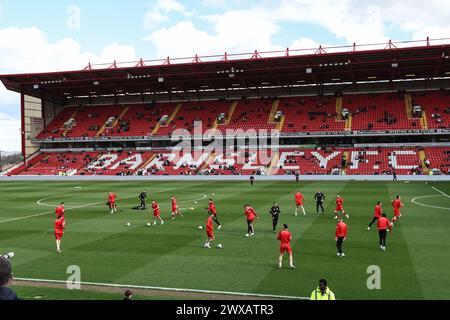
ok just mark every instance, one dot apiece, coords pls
pixel 43 293
pixel 414 265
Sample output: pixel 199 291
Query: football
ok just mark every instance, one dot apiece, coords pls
pixel 219 246
pixel 148 224
pixel 200 228
pixel 128 224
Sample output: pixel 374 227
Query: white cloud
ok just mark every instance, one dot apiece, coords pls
pixel 224 4
pixel 257 25
pixel 9 133
pixel 345 19
pixel 433 31
pixel 170 5
pixel 159 12
pixel 28 50
pixel 153 19
pixel 234 32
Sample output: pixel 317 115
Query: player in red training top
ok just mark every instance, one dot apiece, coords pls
pixel 175 211
pixel 251 215
pixel 212 211
pixel 112 202
pixel 397 204
pixel 299 202
pixel 339 207
pixel 285 238
pixel 340 236
pixel 59 211
pixel 209 232
pixel 156 213
pixel 383 225
pixel 376 215
pixel 59 231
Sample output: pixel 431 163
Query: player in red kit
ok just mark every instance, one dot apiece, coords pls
pixel 209 232
pixel 174 208
pixel 156 213
pixel 59 211
pixel 212 211
pixel 340 236
pixel 112 202
pixel 376 215
pixel 383 225
pixel 59 231
pixel 299 202
pixel 251 215
pixel 285 238
pixel 339 207
pixel 397 204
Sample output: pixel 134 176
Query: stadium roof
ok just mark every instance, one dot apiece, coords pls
pixel 365 63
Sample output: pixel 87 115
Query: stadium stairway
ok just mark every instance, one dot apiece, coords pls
pixel 281 123
pixel 74 114
pixel 424 121
pixel 172 116
pixel 145 163
pixel 348 123
pixel 339 109
pixel 116 121
pixel 209 161
pixel 273 169
pixel 273 111
pixel 346 155
pixel 408 106
pixel 423 157
pixel 231 112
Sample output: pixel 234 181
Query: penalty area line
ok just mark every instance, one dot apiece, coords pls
pixel 441 192
pixel 113 285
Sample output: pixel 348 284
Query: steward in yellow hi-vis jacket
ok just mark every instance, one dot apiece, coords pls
pixel 322 292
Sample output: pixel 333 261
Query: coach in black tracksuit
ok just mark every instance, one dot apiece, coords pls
pixel 275 212
pixel 143 197
pixel 319 197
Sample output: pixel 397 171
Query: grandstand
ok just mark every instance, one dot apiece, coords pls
pixel 358 110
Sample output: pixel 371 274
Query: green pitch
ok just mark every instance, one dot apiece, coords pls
pixel 415 265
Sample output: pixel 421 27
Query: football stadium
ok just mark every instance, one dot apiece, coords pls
pixel 235 176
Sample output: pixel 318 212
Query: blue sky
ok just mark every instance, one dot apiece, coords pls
pixel 49 35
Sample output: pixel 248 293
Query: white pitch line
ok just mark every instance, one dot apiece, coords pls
pixel 39 202
pixel 204 196
pixel 414 200
pixel 245 294
pixel 47 212
pixel 441 192
pixel 44 213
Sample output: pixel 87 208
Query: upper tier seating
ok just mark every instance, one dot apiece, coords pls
pixel 56 127
pixel 250 114
pixel 379 112
pixel 190 112
pixel 310 114
pixel 368 112
pixel 436 105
